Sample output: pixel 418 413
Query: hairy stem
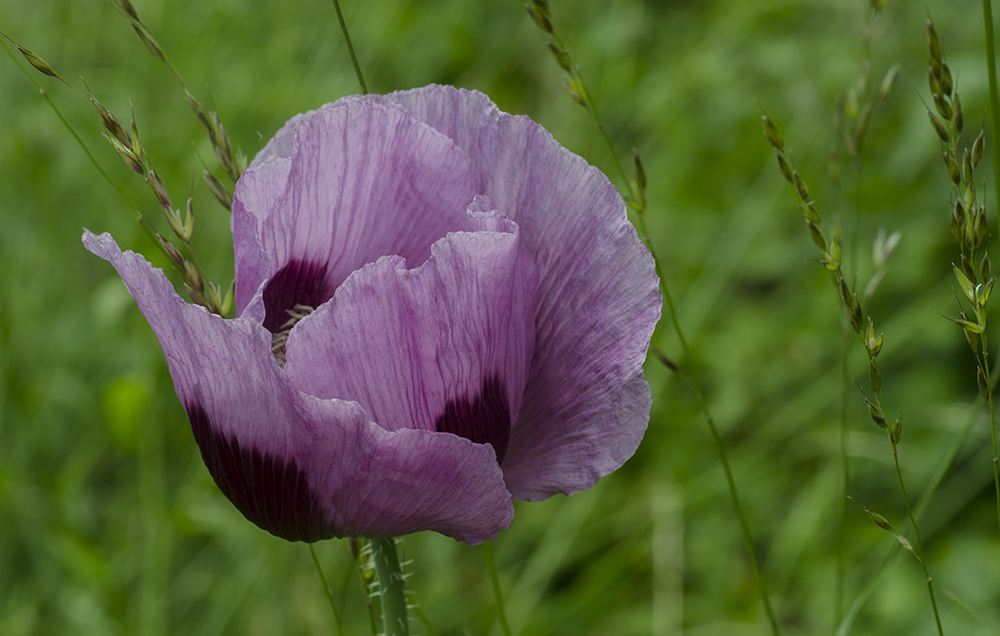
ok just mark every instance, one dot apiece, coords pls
pixel 392 588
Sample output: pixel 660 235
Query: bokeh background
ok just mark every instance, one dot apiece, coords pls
pixel 110 524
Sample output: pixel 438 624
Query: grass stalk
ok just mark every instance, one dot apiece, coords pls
pixel 995 139
pixel 577 88
pixel 497 591
pixel 350 47
pixel 326 589
pixel 991 67
pixel 916 536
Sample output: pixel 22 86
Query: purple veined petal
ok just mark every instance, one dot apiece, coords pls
pixel 364 180
pixel 443 347
pixel 587 402
pixel 300 467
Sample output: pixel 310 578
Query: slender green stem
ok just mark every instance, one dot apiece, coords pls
pixel 936 480
pixel 497 592
pixel 838 590
pixel 993 422
pixel 350 47
pixel 917 544
pixel 392 588
pixel 326 589
pixel 991 66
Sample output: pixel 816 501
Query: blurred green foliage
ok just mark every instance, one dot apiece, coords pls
pixel 109 522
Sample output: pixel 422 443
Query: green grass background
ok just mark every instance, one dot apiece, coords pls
pixel 109 522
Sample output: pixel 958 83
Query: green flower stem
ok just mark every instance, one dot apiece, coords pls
pixel 991 66
pixel 326 589
pixel 917 545
pixel 993 423
pixel 497 592
pixel 350 47
pixel 909 511
pixel 392 588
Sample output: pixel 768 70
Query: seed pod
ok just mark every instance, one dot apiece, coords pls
pixel 41 65
pixel 939 128
pixel 968 288
pixel 985 290
pixel 984 386
pixel 810 213
pixel 193 277
pixel 956 118
pixel 540 19
pixel 943 107
pixel 188 228
pixel 227 302
pixel 952 167
pixel 933 46
pixel 967 168
pixel 196 296
pixel 128 156
pixel 958 222
pixel 128 9
pixel 198 109
pixel 146 38
pixel 977 149
pixel 933 82
pixel 888 81
pixel 111 123
pixel 876 346
pixel 946 82
pixel 895 432
pixel 972 339
pixel 218 190
pixel 817 235
pixel 800 187
pixel 640 172
pixel 854 307
pixel 772 134
pixel 874 377
pixel 560 55
pixel 786 169
pixel 876 413
pixel 171 251
pixel 161 192
pixel 879 520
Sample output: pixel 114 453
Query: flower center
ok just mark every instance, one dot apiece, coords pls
pixel 279 339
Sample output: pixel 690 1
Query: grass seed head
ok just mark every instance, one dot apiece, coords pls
pixel 895 432
pixel 772 134
pixel 984 386
pixel 879 520
pixel 967 168
pixel 41 65
pixel 560 54
pixel 947 85
pixel 977 149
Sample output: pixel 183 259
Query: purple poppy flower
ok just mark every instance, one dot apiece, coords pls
pixel 439 308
